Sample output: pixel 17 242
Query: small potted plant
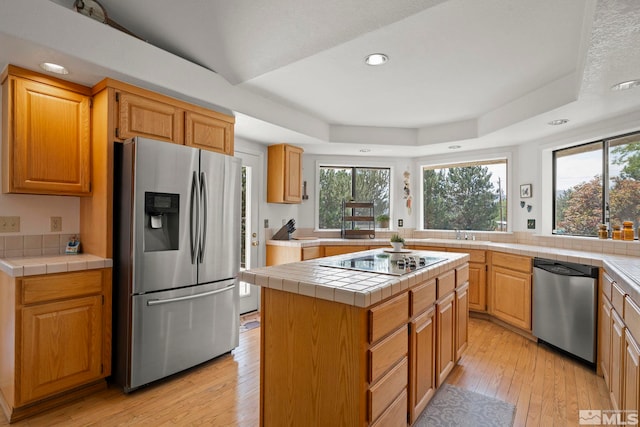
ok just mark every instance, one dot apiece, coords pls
pixel 397 242
pixel 383 220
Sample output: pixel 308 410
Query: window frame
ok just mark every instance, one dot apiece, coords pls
pixel 355 164
pixel 605 202
pixel 467 160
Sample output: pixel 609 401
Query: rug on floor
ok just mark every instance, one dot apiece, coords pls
pixel 455 406
pixel 249 325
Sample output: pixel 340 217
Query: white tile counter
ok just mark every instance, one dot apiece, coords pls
pixel 29 266
pixel 357 288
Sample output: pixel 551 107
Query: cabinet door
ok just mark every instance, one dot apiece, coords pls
pixel 445 324
pixel 477 287
pixel 462 320
pixel 511 296
pixel 422 374
pixel 604 338
pixel 631 373
pixel 345 249
pixel 617 353
pixel 293 174
pixel 61 346
pixel 50 152
pixel 208 133
pixel 141 116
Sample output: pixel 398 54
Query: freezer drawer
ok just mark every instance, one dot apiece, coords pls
pixel 175 330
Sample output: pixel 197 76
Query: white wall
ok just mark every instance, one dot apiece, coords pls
pixel 35 211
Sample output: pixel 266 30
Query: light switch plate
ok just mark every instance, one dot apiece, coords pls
pixel 56 224
pixel 9 224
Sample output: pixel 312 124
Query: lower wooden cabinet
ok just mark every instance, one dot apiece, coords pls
pixel 446 333
pixel 477 286
pixel 346 249
pixel 56 335
pixel 631 375
pixel 462 320
pixel 617 351
pixel 604 338
pixel 511 296
pixel 422 373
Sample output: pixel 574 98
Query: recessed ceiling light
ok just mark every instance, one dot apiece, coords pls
pixel 365 150
pixel 630 84
pixel 454 147
pixel 376 59
pixel 54 68
pixel 558 122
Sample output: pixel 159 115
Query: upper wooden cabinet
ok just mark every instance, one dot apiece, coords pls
pixel 46 135
pixel 208 132
pixel 151 118
pixel 284 174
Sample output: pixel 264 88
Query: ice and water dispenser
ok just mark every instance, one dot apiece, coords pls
pixel 162 221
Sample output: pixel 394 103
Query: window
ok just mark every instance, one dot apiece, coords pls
pixel 339 183
pixel 597 183
pixel 469 196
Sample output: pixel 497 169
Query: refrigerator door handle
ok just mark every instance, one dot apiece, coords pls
pixel 204 205
pixel 194 226
pixel 152 302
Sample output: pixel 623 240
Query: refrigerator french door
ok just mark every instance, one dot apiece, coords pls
pixel 177 222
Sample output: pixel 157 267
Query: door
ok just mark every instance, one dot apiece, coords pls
pixel 249 234
pixel 219 248
pixel 164 173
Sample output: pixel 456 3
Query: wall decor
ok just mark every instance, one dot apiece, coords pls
pixel 407 190
pixel 525 191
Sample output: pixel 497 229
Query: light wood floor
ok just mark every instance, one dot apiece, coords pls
pixel 547 388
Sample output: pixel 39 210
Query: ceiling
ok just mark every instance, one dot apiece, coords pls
pixel 460 72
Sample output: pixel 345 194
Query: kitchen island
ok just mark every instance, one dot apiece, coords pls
pixel 348 347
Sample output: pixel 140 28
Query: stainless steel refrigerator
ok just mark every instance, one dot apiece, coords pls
pixel 176 258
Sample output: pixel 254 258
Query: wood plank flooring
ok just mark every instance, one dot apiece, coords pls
pixel 546 387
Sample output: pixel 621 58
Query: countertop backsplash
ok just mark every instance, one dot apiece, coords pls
pixel 35 245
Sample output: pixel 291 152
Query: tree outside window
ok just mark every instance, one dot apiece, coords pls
pixel 468 196
pixel 582 200
pixel 339 183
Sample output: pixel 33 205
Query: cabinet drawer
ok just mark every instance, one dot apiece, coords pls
pixel 462 275
pixel 475 255
pixel 50 287
pixel 382 394
pixel 346 249
pixel 388 316
pixel 423 297
pixel 387 353
pixel 446 283
pixel 617 299
pixel 605 284
pixel 311 252
pixel 632 316
pixel 396 415
pixel 512 262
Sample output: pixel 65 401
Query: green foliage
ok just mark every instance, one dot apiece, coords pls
pixel 336 186
pixel 629 156
pixel 396 238
pixel 460 198
pixel 579 209
pixel 582 209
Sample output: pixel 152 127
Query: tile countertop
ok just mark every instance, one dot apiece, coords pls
pixel 357 288
pixel 29 266
pixel 625 270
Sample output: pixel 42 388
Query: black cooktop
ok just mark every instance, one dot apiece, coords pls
pixel 383 262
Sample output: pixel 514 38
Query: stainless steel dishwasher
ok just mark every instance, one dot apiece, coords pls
pixel 565 306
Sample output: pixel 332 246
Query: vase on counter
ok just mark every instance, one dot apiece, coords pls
pixel 397 246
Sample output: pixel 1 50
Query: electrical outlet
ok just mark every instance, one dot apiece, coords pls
pixel 531 224
pixel 400 223
pixel 56 223
pixel 9 224
pixel 266 223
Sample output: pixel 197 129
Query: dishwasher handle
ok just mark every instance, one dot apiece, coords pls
pixel 562 268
